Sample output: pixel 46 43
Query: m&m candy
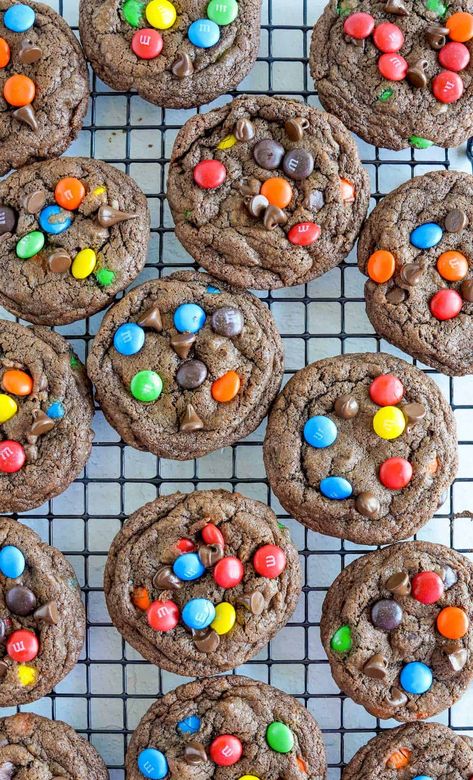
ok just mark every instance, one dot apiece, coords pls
pixel 388 37
pixel 226 387
pixel 427 587
pixel 19 90
pixel 12 456
pixel 146 386
pixel 54 220
pixel 460 26
pixel 386 390
pixel 147 44
pixel 454 56
pixel 336 488
pixel 447 86
pixel 269 561
pixel 381 266
pixel 153 764
pixel 69 193
pixel 30 245
pixel 212 535
pixel 452 622
pixel 222 12
pixel 229 572
pixel 389 422
pixel 347 191
pixel 188 567
pixel 17 382
pixel 129 338
pixel 395 473
pixel 416 677
pixel 304 233
pixel 224 619
pixel 23 645
pixel 446 304
pixel 8 408
pixel 393 67
pixel 185 545
pixel 55 411
pixel 277 191
pixel 12 562
pixel 452 266
pixel 132 11
pixel 320 431
pixel 189 318
pixel 359 25
pixel 198 614
pixel 226 750
pixel 163 615
pixel 83 264
pixel 210 174
pixel 19 18
pixel 189 725
pixel 4 53
pixel 204 33
pixel 161 14
pixel 279 737
pixel 426 236
pixel 342 641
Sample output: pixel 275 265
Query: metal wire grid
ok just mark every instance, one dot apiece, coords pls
pixel 111 687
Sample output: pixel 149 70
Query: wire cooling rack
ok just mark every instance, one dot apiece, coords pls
pixel 110 689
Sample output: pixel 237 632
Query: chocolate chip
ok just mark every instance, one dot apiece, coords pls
pixel 257 205
pixel 191 374
pixel 274 216
pixel 367 504
pixel 42 424
pixel 5 629
pixel 396 7
pixel 206 641
pixel 35 201
pixel 190 420
pixel 416 74
pixel 414 412
pixel 250 186
pixel 314 200
pixel 244 130
pixel 399 583
pixel 210 554
pixel 59 261
pixel 29 53
pixel 227 321
pixel 26 114
pixel 386 614
pixel 254 602
pixel 396 295
pixel 108 216
pixel 436 36
pixel 455 221
pixel 467 290
pixel 411 274
pixel 182 66
pixel 182 344
pixel 295 128
pixel 7 220
pixel 3 671
pixel 376 667
pixel 396 698
pixel 151 319
pixel 346 407
pixel 47 613
pixel 268 154
pixel 458 659
pixel 194 753
pixel 165 579
pixel 298 164
pixel 20 600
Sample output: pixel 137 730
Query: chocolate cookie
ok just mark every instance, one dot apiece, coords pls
pixel 208 726
pixel 182 367
pixel 44 85
pixel 34 747
pixel 417 249
pixel 45 416
pixel 397 629
pixel 398 73
pixel 199 583
pixel 176 54
pixel 73 233
pixel 42 627
pixel 267 192
pixel 362 447
pixel 417 747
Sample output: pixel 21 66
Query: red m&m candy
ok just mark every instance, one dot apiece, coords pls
pixel 185 545
pixel 393 67
pixel 22 645
pixel 454 56
pixel 212 535
pixel 395 473
pixel 388 37
pixel 226 750
pixel 446 304
pixel 386 390
pixel 304 233
pixel 147 44
pixel 427 587
pixel 269 561
pixel 228 572
pixel 447 86
pixel 163 615
pixel 359 25
pixel 210 174
pixel 12 456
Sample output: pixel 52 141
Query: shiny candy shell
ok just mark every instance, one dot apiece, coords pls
pixel 30 245
pixel 161 14
pixel 393 67
pixel 129 338
pixel 12 457
pixel 226 387
pixel 69 193
pixel 359 25
pixel 278 191
pixel 147 43
pixel 8 408
pixel 279 737
pixel 188 567
pixel 4 53
pixel 19 18
pixel 388 37
pixel 212 535
pixel 447 87
pixel 454 56
pixel 23 645
pixel 222 12
pixel 452 623
pixel 389 422
pixel 204 33
pixel 163 615
pixel 446 304
pixel 53 219
pixel 426 236
pixel 320 431
pixel 133 12
pixel 386 390
pixel 416 678
pixel 189 725
pixel 304 233
pixel 460 26
pixel 224 619
pixel 19 90
pixel 226 750
pixel 381 266
pixel 12 562
pixel 386 614
pixel 427 587
pixel 55 411
pixel 452 266
pixel 146 386
pixel 228 572
pixel 395 473
pixel 153 764
pixel 189 318
pixel 336 488
pixel 17 382
pixel 83 264
pixel 269 561
pixel 342 641
pixel 209 174
pixel 198 614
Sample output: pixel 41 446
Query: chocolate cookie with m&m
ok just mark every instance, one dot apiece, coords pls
pixel 46 412
pixel 199 583
pixel 73 233
pixel 44 86
pixel 185 365
pixel 397 628
pixel 362 447
pixel 42 623
pixel 227 726
pixel 417 250
pixel 397 72
pixel 175 53
pixel 267 192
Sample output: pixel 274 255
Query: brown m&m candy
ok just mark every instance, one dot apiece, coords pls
pixel 191 374
pixel 59 261
pixel 20 600
pixel 298 164
pixel 227 321
pixel 7 220
pixel 268 154
pixel 455 221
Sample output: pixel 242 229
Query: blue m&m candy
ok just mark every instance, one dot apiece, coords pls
pixel 426 236
pixel 152 763
pixel 422 777
pixel 336 488
pixel 416 677
pixel 189 725
pixel 320 431
pixel 12 562
pixel 19 18
pixel 204 33
pixel 213 290
pixel 189 318
pixel 55 411
pixel 54 220
pixel 198 614
pixel 129 338
pixel 188 567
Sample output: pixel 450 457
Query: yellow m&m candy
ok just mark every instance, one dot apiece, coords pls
pixel 161 14
pixel 389 422
pixel 27 675
pixel 83 264
pixel 224 619
pixel 248 777
pixel 8 408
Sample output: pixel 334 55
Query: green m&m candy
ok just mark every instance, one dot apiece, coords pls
pixel 222 12
pixel 279 737
pixel 146 386
pixel 30 245
pixel 342 642
pixel 105 277
pixel 133 12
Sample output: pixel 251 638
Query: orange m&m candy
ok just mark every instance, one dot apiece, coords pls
pixel 4 53
pixel 381 266
pixel 348 191
pixel 226 387
pixel 19 90
pixel 17 382
pixel 452 266
pixel 452 622
pixel 278 191
pixel 140 598
pixel 69 193
pixel 460 26
pixel 399 759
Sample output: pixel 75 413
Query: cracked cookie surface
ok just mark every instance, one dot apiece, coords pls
pixel 402 308
pixel 356 484
pixel 208 388
pixel 396 608
pixel 62 88
pixel 48 288
pixel 314 189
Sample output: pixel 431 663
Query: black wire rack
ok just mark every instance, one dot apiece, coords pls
pixel 112 686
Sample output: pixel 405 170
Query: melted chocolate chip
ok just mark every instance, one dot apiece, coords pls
pixel 314 200
pixel 29 53
pixel 250 186
pixel 257 205
pixel 210 554
pixel 295 128
pixel 254 602
pixel 274 216
pixel 27 115
pixel 3 671
pixel 411 274
pixel 436 36
pixel 182 66
pixel 456 221
pixel 165 579
pixel 376 667
pixel 396 295
pixel 396 698
pixel 194 753
pixel 399 584
pixel 467 290
pixel 367 504
pixel 59 261
pixel 396 7
pixel 458 659
pixel 346 407
pixel 414 412
pixel 109 216
pixel 35 201
pixel 206 641
pixel 42 424
pixel 416 75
